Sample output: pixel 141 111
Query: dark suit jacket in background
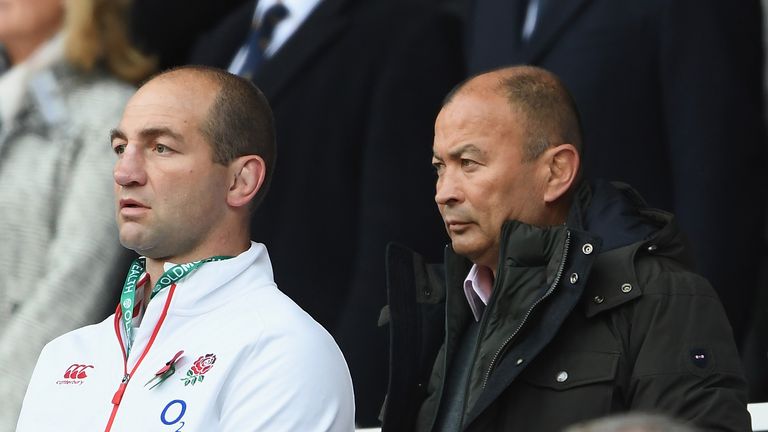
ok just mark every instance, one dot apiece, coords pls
pixel 670 96
pixel 355 92
pixel 169 29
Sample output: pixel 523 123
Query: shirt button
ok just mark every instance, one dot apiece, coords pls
pixel 626 288
pixel 562 376
pixel 574 278
pixel 587 248
pixel 519 361
pixel 652 248
pixel 598 299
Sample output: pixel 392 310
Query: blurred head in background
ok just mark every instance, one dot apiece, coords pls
pixel 93 31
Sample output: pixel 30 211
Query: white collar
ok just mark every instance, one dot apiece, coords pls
pixel 298 11
pixel 477 288
pixel 206 287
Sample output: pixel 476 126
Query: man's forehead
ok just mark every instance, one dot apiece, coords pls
pixel 476 124
pixel 144 114
pixel 172 91
pixel 474 112
pixel 164 103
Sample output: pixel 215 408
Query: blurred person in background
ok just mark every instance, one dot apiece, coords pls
pixel 65 74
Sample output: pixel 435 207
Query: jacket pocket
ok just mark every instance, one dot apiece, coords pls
pixel 572 369
pixel 569 388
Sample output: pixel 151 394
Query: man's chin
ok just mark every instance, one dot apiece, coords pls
pixel 135 242
pixel 474 252
pixel 463 249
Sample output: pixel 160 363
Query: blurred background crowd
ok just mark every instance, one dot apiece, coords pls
pixel 671 94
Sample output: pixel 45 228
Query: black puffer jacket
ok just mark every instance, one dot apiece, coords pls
pixel 593 317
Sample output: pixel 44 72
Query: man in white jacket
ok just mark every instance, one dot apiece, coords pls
pixel 202 339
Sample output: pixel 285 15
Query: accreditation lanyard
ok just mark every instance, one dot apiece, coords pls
pixel 170 277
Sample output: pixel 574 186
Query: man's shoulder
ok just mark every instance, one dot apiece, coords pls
pixel 660 275
pixel 672 280
pixel 82 341
pixel 650 270
pixel 642 275
pixel 276 338
pixel 277 315
pixel 255 313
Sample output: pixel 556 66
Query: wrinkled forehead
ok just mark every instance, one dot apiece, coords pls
pixel 482 121
pixel 486 111
pixel 184 89
pixel 184 101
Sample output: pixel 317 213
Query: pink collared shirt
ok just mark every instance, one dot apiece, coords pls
pixel 477 288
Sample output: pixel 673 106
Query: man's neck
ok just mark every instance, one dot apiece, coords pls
pixel 155 269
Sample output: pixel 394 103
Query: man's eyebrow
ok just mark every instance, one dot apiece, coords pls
pixel 466 149
pixel 147 133
pixel 116 134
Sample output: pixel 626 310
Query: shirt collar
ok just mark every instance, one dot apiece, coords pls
pixel 477 287
pixel 298 12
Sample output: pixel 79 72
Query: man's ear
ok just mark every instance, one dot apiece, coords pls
pixel 563 163
pixel 247 174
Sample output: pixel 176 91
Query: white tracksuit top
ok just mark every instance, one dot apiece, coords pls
pixel 252 361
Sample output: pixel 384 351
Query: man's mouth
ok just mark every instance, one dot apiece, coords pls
pixel 131 208
pixel 455 224
pixel 131 203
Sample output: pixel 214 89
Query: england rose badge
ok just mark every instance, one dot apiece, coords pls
pixel 198 370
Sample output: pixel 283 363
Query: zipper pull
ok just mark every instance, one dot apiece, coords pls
pixel 120 390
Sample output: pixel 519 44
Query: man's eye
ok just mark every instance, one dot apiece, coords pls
pixel 161 148
pixel 438 167
pixel 467 162
pixel 119 149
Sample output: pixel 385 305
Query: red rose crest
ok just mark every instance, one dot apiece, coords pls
pixel 198 370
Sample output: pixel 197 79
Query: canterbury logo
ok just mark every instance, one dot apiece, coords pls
pixel 77 371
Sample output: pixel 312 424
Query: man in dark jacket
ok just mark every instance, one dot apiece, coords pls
pixel 559 301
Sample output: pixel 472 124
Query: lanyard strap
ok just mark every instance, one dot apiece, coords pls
pixel 170 277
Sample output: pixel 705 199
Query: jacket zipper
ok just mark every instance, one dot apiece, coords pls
pixel 551 289
pixel 120 390
pixel 118 396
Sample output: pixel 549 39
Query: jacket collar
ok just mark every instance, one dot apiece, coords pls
pixel 209 286
pixel 617 214
pixel 524 247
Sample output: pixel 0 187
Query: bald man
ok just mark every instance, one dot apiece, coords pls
pixel 559 301
pixel 202 339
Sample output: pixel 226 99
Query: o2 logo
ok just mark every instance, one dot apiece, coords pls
pixel 173 413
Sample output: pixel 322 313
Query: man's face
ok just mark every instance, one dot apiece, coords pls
pixel 170 195
pixel 482 181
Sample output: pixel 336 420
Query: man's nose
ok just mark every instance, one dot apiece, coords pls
pixel 129 169
pixel 447 190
